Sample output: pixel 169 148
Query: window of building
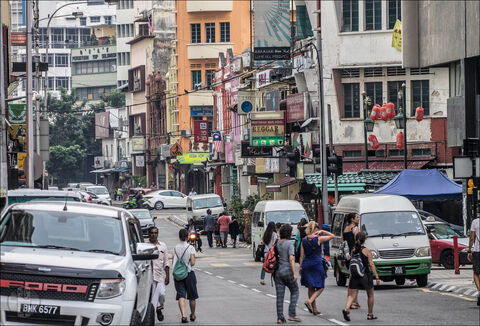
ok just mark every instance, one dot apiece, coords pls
pixel 350 15
pixel 352 100
pixel 108 20
pixel 72 38
pixel 61 60
pixel 225 32
pixel 95 19
pixel 61 82
pixel 195 32
pixel 353 153
pixel 420 96
pixel 456 79
pixel 421 152
pixel 379 153
pixel 127 58
pixel 395 152
pixel 83 21
pixel 50 59
pixel 394 12
pixel 93 67
pixel 210 32
pixel 84 36
pixel 373 15
pixel 392 88
pixel 42 40
pixel 51 82
pixel 142 29
pixel 209 78
pixel 196 77
pixel 58 38
pixel 375 92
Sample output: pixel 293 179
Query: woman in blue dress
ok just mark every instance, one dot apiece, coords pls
pixel 311 265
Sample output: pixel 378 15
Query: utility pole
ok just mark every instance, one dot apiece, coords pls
pixel 36 59
pixel 30 125
pixel 332 150
pixel 3 131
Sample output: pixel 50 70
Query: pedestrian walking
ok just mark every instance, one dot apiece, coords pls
pixel 234 230
pixel 216 233
pixel 351 229
pixel 224 223
pixel 192 192
pixel 186 288
pixel 209 226
pixel 269 238
pixel 312 272
pixel 124 191
pixel 285 276
pixel 474 253
pixel 365 282
pixel 301 226
pixel 161 272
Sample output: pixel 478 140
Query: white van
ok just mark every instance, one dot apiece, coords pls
pixel 395 235
pixel 197 206
pixel 278 211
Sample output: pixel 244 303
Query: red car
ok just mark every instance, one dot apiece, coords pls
pixel 441 244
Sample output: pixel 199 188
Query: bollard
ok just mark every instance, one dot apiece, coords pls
pixel 455 255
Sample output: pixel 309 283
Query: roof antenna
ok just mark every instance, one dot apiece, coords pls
pixel 65 206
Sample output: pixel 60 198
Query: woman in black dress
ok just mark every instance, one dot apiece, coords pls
pixel 234 230
pixel 351 229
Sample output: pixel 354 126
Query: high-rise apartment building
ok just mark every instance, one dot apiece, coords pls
pixel 125 18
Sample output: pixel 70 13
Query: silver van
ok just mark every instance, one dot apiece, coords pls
pixel 197 206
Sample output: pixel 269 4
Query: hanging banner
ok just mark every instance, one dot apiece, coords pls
pixel 303 142
pixel 102 125
pixel 297 107
pixel 229 156
pixel 397 35
pixel 17 114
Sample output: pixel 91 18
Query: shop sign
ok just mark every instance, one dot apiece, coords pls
pixel 246 101
pixel 260 165
pixel 18 39
pixel 303 142
pixel 140 161
pixel 98 162
pixel 267 165
pixel 267 128
pixel 255 151
pixel 262 78
pixel 200 129
pixel 201 111
pixel 297 107
pixel 192 158
pixel 138 144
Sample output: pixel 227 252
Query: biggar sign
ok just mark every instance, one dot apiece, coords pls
pixel 267 128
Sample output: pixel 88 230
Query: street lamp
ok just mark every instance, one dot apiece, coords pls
pixel 368 123
pixel 401 121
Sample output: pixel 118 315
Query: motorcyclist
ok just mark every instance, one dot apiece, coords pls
pixel 192 228
pixel 139 198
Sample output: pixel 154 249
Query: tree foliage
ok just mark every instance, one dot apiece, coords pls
pixel 115 99
pixel 63 158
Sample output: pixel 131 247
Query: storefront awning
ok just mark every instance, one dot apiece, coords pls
pixel 276 187
pixel 102 171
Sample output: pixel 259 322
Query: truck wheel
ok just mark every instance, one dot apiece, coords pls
pixel 149 319
pixel 158 205
pixel 400 280
pixel 136 318
pixel 422 280
pixel 340 277
pixel 447 259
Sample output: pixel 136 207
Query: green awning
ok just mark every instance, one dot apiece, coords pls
pixel 344 187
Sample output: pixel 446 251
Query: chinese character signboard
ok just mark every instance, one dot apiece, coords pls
pixel 267 128
pixel 200 131
pixel 297 107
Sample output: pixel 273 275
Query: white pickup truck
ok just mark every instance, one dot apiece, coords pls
pixel 75 264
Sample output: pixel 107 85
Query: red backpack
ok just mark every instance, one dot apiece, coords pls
pixel 270 264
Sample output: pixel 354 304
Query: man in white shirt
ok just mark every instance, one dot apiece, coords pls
pixel 474 253
pixel 161 275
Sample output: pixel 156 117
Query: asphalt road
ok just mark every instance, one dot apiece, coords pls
pixel 230 293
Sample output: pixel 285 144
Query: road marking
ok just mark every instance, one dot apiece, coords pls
pixel 451 288
pixel 172 223
pixel 220 265
pixel 198 269
pixel 256 290
pixel 271 295
pixel 243 285
pixel 251 264
pixel 207 273
pixel 333 320
pixel 443 287
pixel 447 293
pixel 233 282
pixel 286 301
pixel 220 277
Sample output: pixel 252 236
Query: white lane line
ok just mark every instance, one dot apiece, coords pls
pixel 206 272
pixel 220 277
pixel 233 282
pixel 256 290
pixel 271 295
pixel 443 287
pixel 243 285
pixel 333 320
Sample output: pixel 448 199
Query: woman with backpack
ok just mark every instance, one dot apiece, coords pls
pixel 311 263
pixel 361 262
pixel 184 276
pixel 269 239
pixel 351 229
pixel 285 275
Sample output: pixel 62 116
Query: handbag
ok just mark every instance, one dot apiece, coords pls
pixel 259 254
pixel 180 270
pixel 325 262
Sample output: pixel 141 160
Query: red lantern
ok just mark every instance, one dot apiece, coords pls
pixel 383 113
pixel 400 140
pixel 419 112
pixel 375 114
pixel 390 110
pixel 373 141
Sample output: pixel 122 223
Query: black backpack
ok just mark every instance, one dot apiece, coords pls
pixel 357 269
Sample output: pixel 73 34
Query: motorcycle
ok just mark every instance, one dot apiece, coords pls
pixel 194 239
pixel 132 203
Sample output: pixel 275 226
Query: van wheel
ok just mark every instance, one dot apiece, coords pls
pixel 340 277
pixel 422 280
pixel 447 260
pixel 136 318
pixel 149 319
pixel 400 280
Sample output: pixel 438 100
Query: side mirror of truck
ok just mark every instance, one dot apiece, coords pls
pixel 145 251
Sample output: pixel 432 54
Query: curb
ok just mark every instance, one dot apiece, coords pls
pixel 439 287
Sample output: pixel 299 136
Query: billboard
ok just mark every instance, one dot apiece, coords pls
pixel 271 25
pixel 297 107
pixel 102 125
pixel 200 130
pixel 267 128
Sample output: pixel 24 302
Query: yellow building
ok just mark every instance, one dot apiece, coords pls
pixel 204 29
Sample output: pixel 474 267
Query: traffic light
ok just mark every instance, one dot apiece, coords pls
pixel 317 153
pixel 470 186
pixel 293 157
pixel 335 165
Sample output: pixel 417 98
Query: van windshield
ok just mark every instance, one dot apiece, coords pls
pixel 391 224
pixel 207 202
pixel 289 217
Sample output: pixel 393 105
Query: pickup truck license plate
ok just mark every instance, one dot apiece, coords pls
pixel 398 270
pixel 40 309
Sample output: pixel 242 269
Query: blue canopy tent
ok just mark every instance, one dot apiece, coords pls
pixel 423 185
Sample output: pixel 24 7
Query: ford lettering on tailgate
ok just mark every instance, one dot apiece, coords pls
pixel 39 286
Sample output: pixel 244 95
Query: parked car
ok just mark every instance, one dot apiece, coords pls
pixel 146 219
pixel 103 196
pixel 83 185
pixel 25 195
pixel 88 263
pixel 160 199
pixel 441 243
pixel 425 215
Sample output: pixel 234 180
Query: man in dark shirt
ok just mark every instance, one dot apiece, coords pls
pixel 208 226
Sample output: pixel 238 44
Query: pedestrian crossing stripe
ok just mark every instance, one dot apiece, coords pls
pixel 220 265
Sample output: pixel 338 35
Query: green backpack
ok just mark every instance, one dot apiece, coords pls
pixel 180 270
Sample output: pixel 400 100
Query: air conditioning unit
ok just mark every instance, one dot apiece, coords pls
pixel 186 133
pixel 107 164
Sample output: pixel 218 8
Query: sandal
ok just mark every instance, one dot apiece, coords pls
pixel 193 317
pixel 355 306
pixel 309 307
pixel 281 321
pixel 316 312
pixel 346 315
pixel 184 320
pixel 371 316
pixel 294 318
pixel 262 282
